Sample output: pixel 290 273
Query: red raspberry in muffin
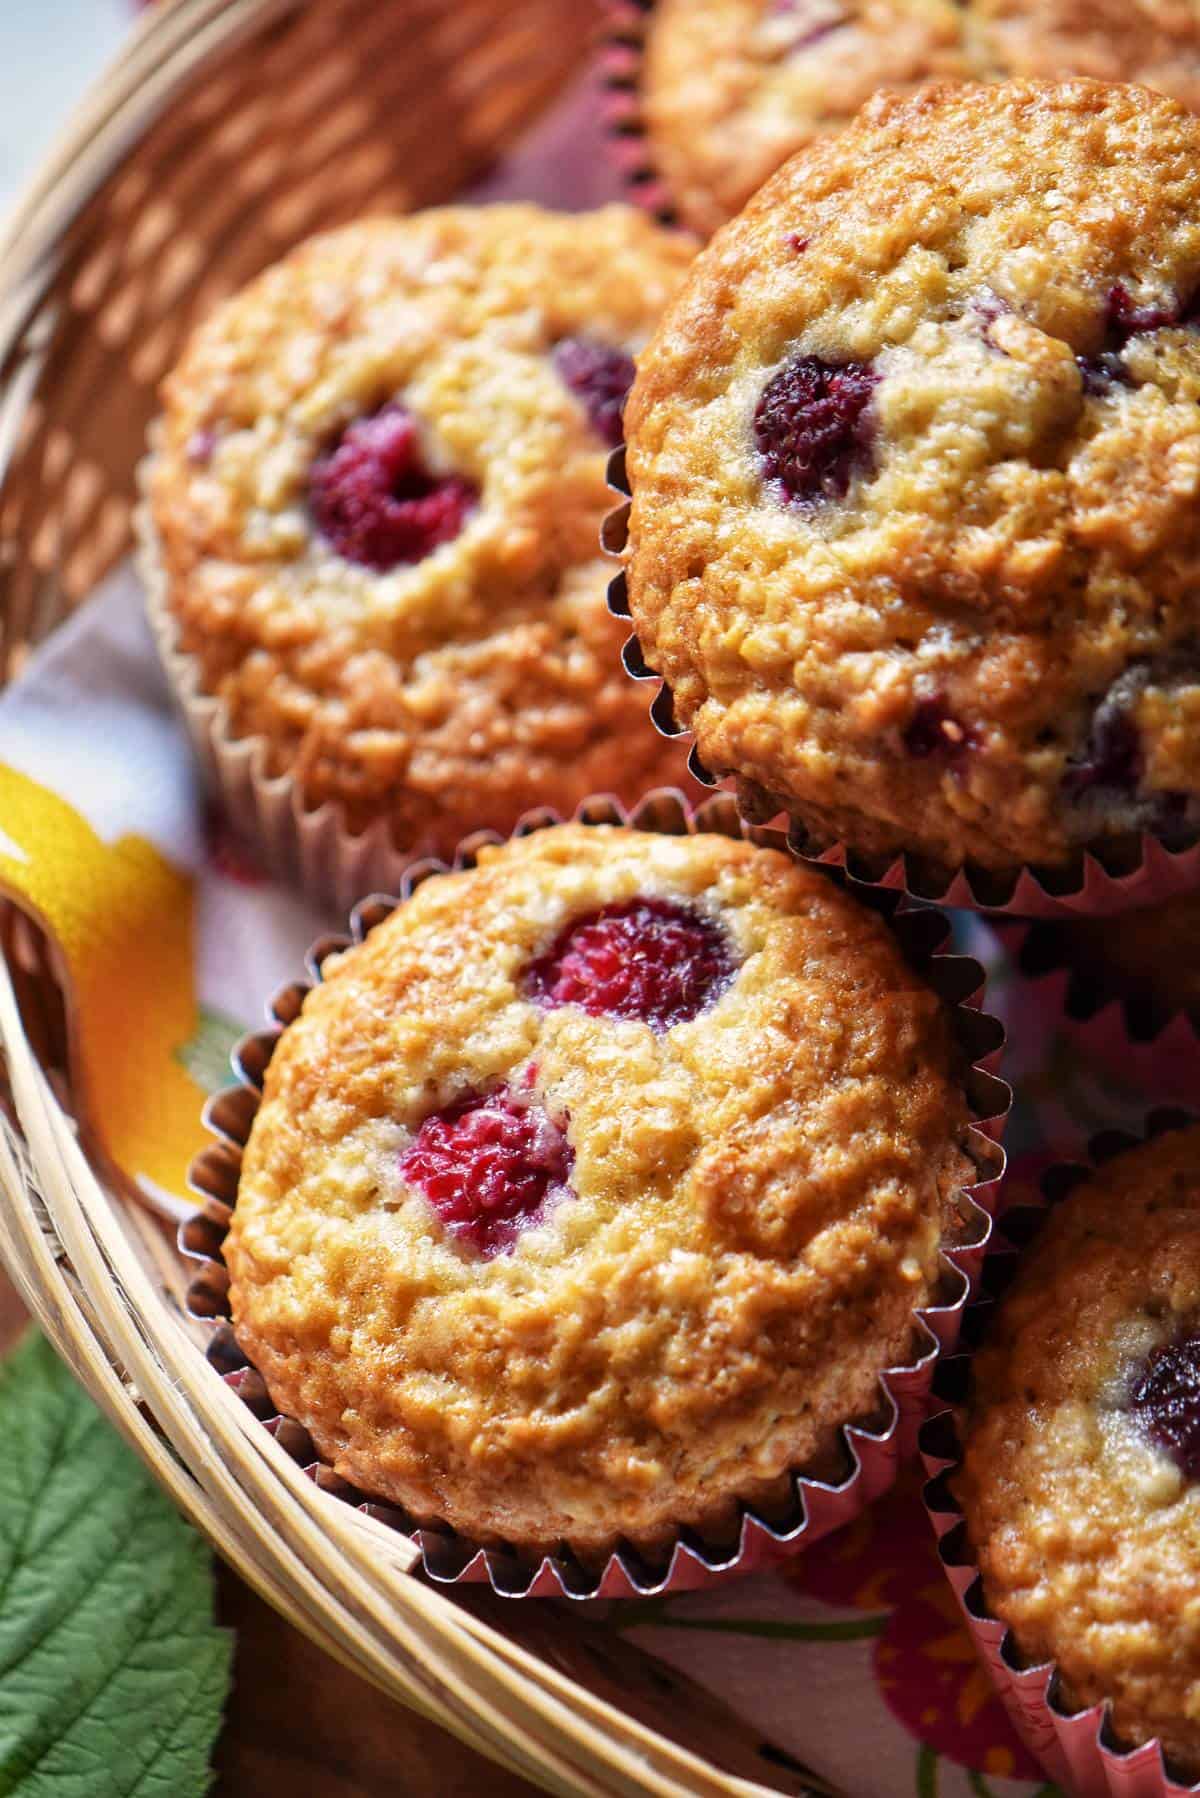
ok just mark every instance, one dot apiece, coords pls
pixel 1080 1481
pixel 915 526
pixel 385 564
pixel 591 1195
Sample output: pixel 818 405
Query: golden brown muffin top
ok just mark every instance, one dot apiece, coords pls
pixel 1079 1475
pixel 915 459
pixel 377 498
pixel 732 88
pixel 726 1221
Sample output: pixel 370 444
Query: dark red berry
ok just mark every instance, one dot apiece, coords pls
pixel 934 731
pixel 1126 319
pixel 490 1166
pixel 1113 755
pixel 1105 367
pixel 1165 1400
pixel 376 503
pixel 201 446
pixel 647 958
pixel 600 378
pixel 813 427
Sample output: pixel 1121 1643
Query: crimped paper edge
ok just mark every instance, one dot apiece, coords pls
pixel 1084 888
pixel 1070 1745
pixel 873 1454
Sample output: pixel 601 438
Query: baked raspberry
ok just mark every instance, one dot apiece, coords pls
pixel 600 378
pixel 201 446
pixel 490 1166
pixel 813 427
pixel 1123 319
pixel 647 958
pixel 1113 755
pixel 374 500
pixel 933 730
pixel 1165 1400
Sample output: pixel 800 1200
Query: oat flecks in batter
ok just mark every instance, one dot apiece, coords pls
pixel 1013 546
pixel 756 1200
pixel 385 559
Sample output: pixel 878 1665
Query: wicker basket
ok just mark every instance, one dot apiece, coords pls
pixel 229 129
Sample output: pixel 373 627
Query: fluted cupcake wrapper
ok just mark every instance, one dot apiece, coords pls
pixel 1153 1052
pixel 1076 1747
pixel 1089 886
pixel 872 1446
pixel 309 844
pixel 621 51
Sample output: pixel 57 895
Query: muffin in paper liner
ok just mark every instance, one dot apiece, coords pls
pixel 1076 1748
pixel 872 1446
pixel 311 845
pixel 621 50
pixel 1090 885
pixel 1134 1043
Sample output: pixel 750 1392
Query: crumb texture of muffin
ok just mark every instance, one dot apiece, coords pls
pixel 731 88
pixel 1082 1447
pixel 376 501
pixel 596 1189
pixel 915 462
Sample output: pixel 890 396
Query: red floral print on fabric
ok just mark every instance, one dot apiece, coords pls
pixel 923 1659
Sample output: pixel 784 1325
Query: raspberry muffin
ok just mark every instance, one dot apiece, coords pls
pixel 915 463
pixel 731 88
pixel 596 1189
pixel 374 508
pixel 1082 1448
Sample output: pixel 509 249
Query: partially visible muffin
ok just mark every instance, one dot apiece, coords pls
pixel 915 463
pixel 731 88
pixel 1155 43
pixel 1080 1472
pixel 1150 956
pixel 376 497
pixel 596 1189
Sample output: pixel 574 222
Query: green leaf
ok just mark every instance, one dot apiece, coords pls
pixel 112 1671
pixel 206 1053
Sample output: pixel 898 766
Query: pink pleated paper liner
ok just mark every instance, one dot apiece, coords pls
pixel 1089 887
pixel 1076 1748
pixel 621 52
pixel 1154 1054
pixel 872 1446
pixel 310 845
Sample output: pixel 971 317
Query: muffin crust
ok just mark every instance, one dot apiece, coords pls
pixel 1087 1532
pixel 457 690
pixel 732 88
pixel 972 629
pixel 758 1196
